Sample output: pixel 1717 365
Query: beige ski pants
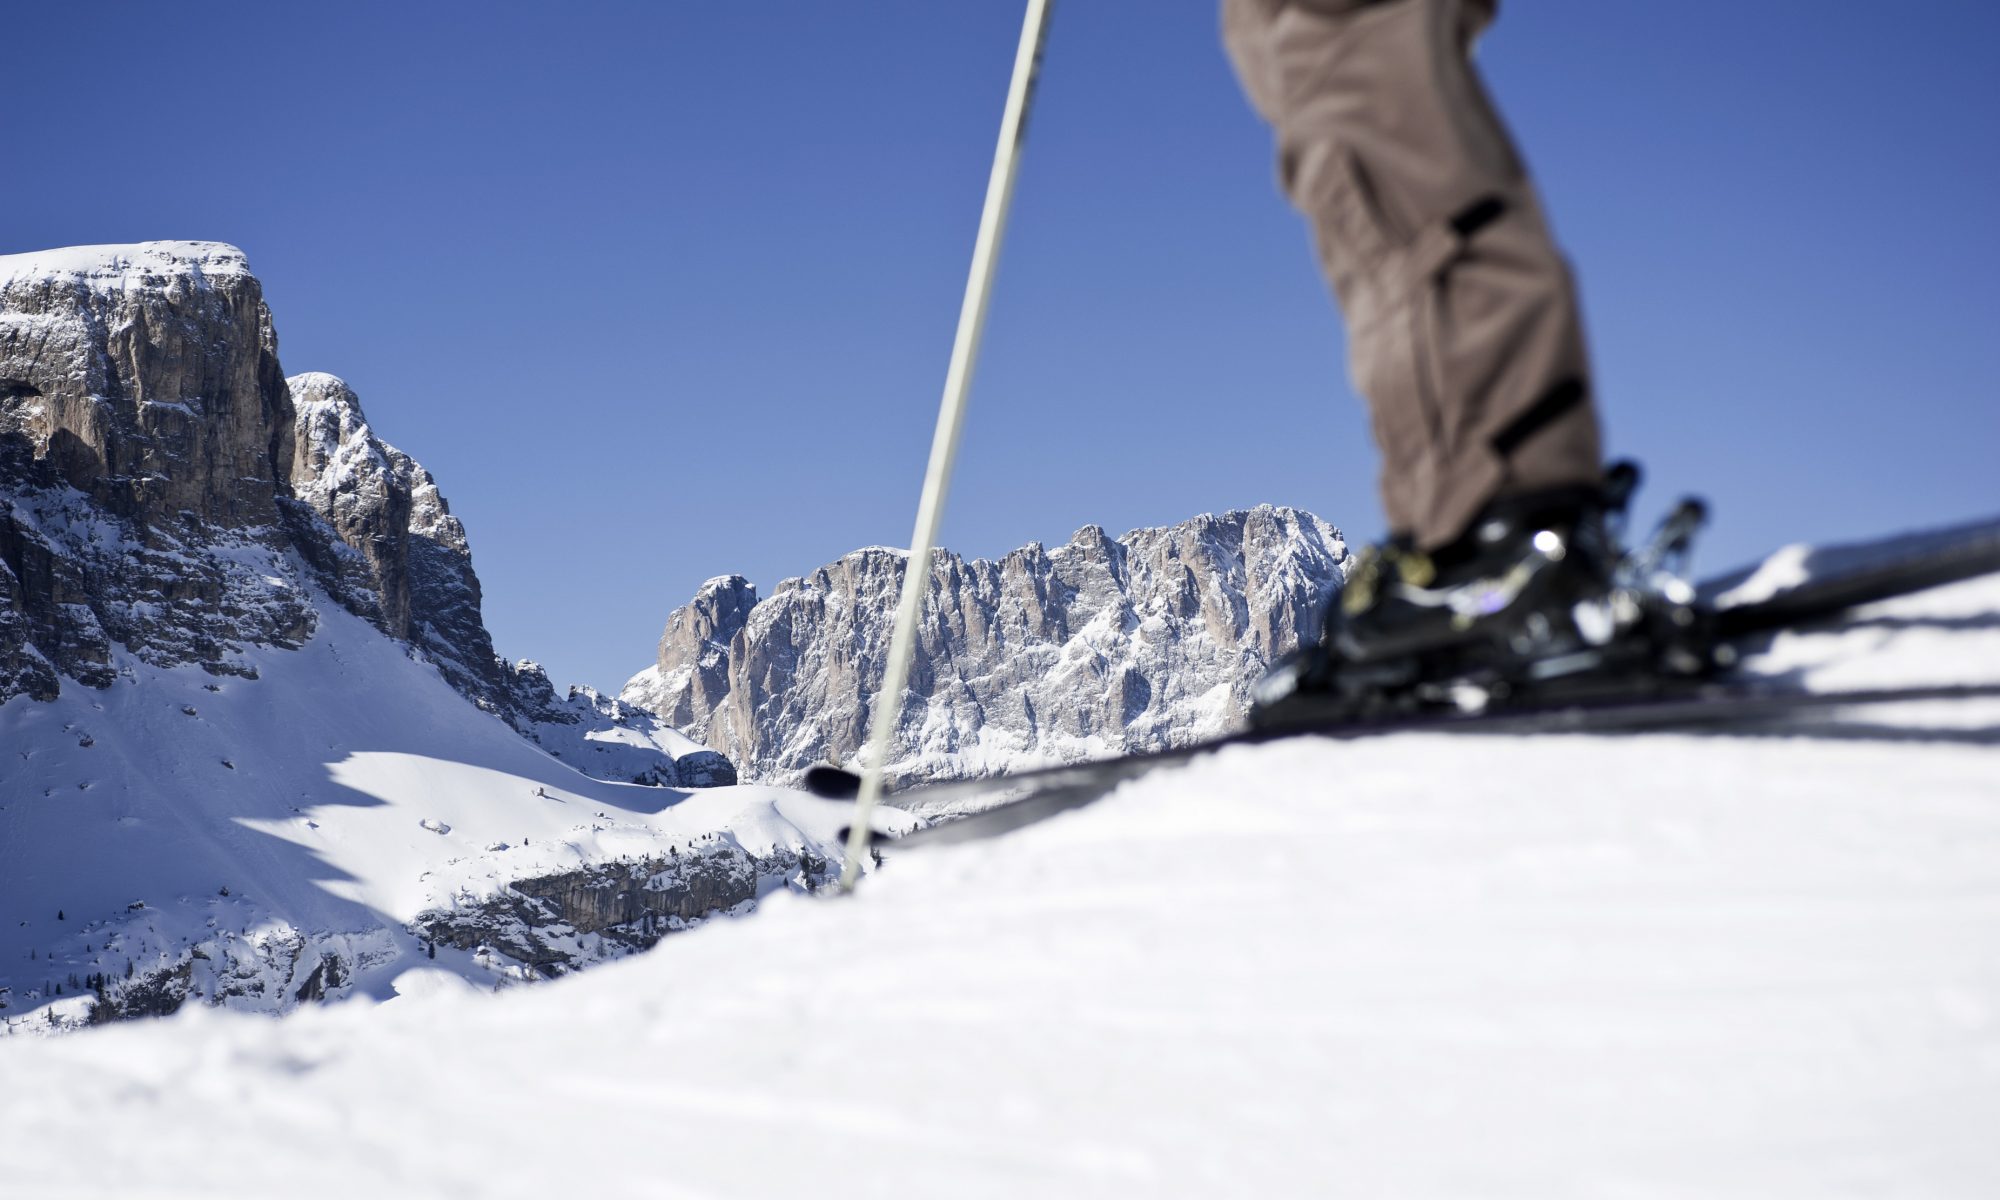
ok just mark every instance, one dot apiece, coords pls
pixel 1463 330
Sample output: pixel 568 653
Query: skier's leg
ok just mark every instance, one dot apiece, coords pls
pixel 1464 335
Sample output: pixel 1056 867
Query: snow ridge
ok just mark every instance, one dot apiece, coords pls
pixel 120 267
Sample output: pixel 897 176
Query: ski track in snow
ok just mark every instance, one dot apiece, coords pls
pixel 1412 966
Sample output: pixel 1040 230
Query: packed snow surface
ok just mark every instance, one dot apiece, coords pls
pixel 1411 966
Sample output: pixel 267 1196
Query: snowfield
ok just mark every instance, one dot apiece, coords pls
pixel 246 827
pixel 1565 966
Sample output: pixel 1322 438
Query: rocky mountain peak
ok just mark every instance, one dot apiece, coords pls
pixel 145 430
pixel 146 377
pixel 165 490
pixel 1098 646
pixel 403 558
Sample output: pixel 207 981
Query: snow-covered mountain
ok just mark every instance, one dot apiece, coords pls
pixel 257 741
pixel 313 826
pixel 1096 647
pixel 150 445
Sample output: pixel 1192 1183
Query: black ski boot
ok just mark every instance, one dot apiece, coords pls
pixel 1535 597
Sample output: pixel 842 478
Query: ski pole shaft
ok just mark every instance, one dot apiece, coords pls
pixel 951 414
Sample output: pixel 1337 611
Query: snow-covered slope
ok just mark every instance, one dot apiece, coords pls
pixel 224 836
pixel 606 738
pixel 1411 966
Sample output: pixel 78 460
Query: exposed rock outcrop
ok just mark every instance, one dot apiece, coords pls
pixel 402 560
pixel 1097 647
pixel 693 678
pixel 403 548
pixel 164 490
pixel 270 971
pixel 606 738
pixel 144 422
pixel 555 924
pixel 147 378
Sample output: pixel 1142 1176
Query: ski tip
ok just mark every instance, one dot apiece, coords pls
pixel 829 782
pixel 876 838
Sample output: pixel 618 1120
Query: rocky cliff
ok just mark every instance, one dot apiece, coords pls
pixel 144 431
pixel 402 560
pixel 165 492
pixel 1100 646
pixel 401 554
pixel 555 924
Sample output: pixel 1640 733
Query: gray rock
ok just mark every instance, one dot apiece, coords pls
pixel 164 488
pixel 147 378
pixel 1098 647
pixel 558 923
pixel 143 421
pixel 401 559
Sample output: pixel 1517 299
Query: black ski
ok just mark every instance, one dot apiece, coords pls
pixel 1848 576
pixel 1836 580
pixel 1735 707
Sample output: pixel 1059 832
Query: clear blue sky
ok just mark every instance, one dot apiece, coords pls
pixel 662 291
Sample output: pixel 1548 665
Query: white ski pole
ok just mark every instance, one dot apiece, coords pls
pixel 944 443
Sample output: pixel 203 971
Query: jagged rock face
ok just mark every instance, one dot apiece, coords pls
pixel 75 584
pixel 694 651
pixel 1100 646
pixel 402 555
pixel 554 924
pixel 147 433
pixel 144 424
pixel 403 560
pixel 148 378
pixel 268 970
pixel 148 454
pixel 164 490
pixel 348 476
